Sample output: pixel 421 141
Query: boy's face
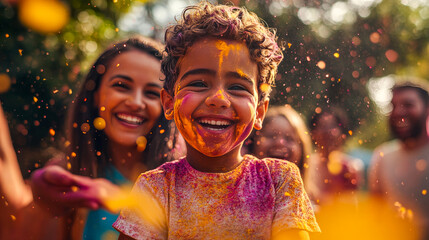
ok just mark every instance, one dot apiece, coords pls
pixel 215 105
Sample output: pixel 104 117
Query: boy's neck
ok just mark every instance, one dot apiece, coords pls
pixel 220 164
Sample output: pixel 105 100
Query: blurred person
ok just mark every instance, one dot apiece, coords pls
pixel 331 173
pixel 399 169
pixel 284 135
pixel 116 131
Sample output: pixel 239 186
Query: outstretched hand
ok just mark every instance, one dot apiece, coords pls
pixel 60 191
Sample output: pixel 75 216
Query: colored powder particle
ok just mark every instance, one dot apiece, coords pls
pixel 350 132
pixel 52 132
pixel 35 99
pixel 75 188
pixel 424 192
pixel 336 55
pixel 13 217
pixel 265 87
pixel 73 154
pixel 161 131
pixel 69 165
pixel 102 109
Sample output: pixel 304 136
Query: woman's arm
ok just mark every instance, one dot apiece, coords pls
pixel 12 186
pixel 58 190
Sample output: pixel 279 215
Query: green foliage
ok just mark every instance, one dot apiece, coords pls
pixel 391 39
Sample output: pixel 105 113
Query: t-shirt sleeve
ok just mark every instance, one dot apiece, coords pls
pixel 293 209
pixel 144 217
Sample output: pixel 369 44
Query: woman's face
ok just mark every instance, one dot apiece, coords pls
pixel 327 132
pixel 128 96
pixel 278 139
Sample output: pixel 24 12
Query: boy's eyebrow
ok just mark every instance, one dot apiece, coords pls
pixel 240 75
pixel 232 74
pixel 199 71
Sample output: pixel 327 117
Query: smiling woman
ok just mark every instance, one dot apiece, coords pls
pixel 121 98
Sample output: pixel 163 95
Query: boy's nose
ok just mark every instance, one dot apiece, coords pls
pixel 218 99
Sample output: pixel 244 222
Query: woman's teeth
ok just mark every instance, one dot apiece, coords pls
pixel 130 119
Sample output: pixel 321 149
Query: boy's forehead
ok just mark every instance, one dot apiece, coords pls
pixel 216 44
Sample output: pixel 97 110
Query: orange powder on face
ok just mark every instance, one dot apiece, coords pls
pixel 224 50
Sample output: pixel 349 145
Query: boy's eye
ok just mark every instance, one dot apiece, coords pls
pixel 239 87
pixel 198 83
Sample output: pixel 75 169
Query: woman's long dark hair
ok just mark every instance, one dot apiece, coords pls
pixel 87 148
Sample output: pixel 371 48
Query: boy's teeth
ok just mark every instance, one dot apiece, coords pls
pixel 216 123
pixel 130 119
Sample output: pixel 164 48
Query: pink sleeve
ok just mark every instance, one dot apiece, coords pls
pixel 144 218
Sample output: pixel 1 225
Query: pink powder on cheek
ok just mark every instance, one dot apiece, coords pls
pixel 245 133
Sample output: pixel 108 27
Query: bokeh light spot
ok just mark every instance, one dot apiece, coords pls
pixel 141 143
pixel 99 123
pixel 5 83
pixel 85 127
pixel 321 64
pixel 44 16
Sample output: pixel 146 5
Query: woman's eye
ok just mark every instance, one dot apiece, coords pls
pixel 120 85
pixel 153 94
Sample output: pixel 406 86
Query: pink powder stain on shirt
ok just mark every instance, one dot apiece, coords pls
pixel 248 202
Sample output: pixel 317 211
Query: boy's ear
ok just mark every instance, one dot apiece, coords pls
pixel 261 109
pixel 168 104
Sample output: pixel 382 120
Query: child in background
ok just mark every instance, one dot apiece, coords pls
pixel 220 63
pixel 284 136
pixel 117 130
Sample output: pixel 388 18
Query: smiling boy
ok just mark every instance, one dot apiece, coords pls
pixel 219 66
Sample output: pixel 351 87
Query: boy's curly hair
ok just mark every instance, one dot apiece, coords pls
pixel 227 22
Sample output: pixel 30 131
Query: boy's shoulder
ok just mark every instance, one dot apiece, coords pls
pixel 276 166
pixel 164 169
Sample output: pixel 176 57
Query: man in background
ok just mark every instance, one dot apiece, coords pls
pixel 399 171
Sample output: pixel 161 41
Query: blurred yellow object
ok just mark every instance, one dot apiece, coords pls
pixel 370 218
pixel 4 83
pixel 44 16
pixel 140 202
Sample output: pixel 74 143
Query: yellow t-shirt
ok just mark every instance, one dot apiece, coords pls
pixel 253 201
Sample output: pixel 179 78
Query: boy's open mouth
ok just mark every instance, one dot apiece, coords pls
pixel 219 124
